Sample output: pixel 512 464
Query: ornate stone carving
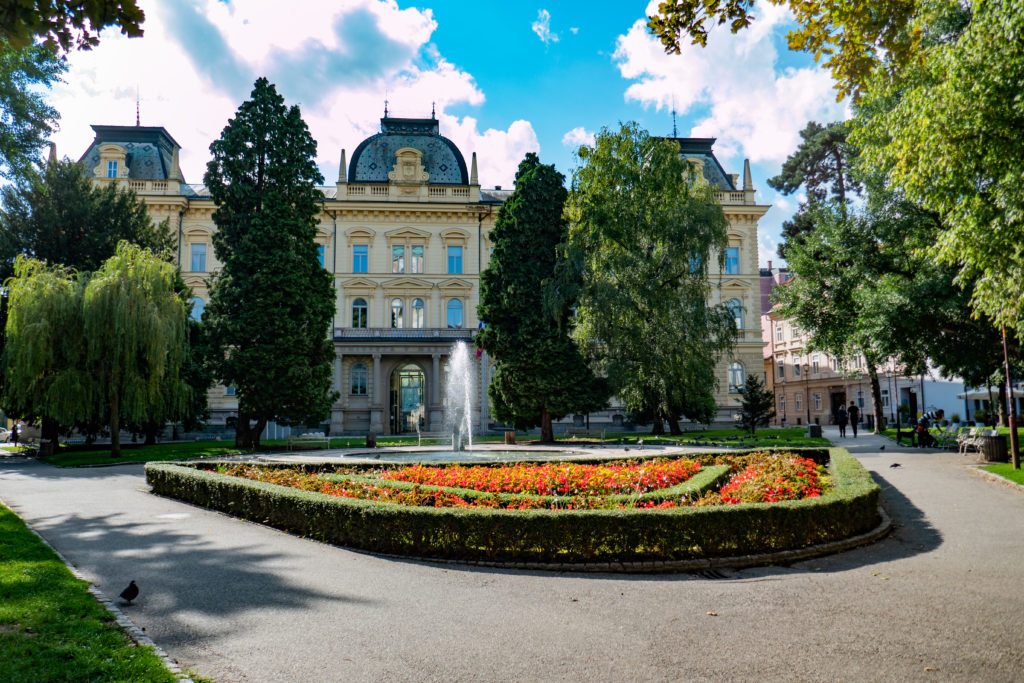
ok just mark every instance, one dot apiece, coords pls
pixel 408 168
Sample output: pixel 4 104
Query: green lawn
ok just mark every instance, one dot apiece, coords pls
pixel 1006 471
pixel 51 627
pixel 1005 431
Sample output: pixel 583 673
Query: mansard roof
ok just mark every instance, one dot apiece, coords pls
pixel 149 150
pixel 374 158
pixel 701 148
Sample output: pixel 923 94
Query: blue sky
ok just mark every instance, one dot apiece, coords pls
pixel 505 78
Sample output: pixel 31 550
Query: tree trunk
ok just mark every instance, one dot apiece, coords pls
pixel 876 396
pixel 1004 418
pixel 243 435
pixel 261 424
pixel 673 427
pixel 547 432
pixel 115 428
pixel 657 427
pixel 151 431
pixel 49 433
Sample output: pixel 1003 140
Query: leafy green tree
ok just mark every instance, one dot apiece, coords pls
pixel 854 37
pixel 757 407
pixel 947 132
pixel 823 167
pixel 540 373
pixel 643 228
pixel 134 327
pixel 66 24
pixel 46 378
pixel 26 120
pixel 62 218
pixel 271 304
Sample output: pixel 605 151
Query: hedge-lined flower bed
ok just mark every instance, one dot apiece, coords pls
pixel 543 535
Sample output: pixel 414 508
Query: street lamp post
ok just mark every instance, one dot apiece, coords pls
pixel 807 391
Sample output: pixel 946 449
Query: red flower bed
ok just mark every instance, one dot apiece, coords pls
pixel 761 478
pixel 553 479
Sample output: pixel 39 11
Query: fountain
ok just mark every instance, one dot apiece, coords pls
pixel 458 391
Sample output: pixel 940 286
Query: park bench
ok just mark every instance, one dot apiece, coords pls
pixel 969 439
pixel 583 433
pixel 294 440
pixel 432 436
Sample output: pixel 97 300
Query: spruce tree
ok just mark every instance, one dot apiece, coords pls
pixel 757 407
pixel 271 304
pixel 540 373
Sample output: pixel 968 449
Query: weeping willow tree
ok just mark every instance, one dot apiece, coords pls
pixel 44 365
pixel 134 324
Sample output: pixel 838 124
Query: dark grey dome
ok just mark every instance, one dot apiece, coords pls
pixel 374 158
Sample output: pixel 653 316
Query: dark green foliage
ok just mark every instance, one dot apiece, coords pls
pixel 643 227
pixel 757 407
pixel 271 304
pixel 539 535
pixel 67 24
pixel 26 120
pixel 62 218
pixel 540 373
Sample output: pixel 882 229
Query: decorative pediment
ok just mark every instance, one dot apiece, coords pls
pixel 111 152
pixel 734 284
pixel 735 238
pixel 407 284
pixel 401 234
pixel 323 232
pixel 360 283
pixel 454 236
pixel 408 168
pixel 197 231
pixel 360 235
pixel 194 282
pixel 454 285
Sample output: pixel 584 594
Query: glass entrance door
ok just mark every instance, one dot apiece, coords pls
pixel 406 399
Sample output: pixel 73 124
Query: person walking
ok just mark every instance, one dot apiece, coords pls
pixel 854 412
pixel 841 420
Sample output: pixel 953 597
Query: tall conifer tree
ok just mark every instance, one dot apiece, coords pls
pixel 271 304
pixel 540 373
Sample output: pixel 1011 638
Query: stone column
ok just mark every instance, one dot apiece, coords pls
pixel 435 384
pixel 436 314
pixel 376 409
pixel 380 312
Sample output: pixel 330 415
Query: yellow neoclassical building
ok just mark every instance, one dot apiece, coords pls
pixel 404 231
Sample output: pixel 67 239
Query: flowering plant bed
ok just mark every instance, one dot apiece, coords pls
pixel 658 509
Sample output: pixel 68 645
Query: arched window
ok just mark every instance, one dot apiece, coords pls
pixel 198 306
pixel 417 313
pixel 357 384
pixel 736 377
pixel 396 314
pixel 360 313
pixel 454 313
pixel 736 311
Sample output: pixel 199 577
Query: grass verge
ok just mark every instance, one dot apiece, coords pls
pixel 51 627
pixel 1006 471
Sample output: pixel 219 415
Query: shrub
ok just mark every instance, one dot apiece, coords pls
pixel 539 535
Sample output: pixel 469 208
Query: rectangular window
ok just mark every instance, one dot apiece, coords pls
pixel 320 254
pixel 835 365
pixel 397 259
pixel 357 386
pixel 782 370
pixel 360 258
pixel 817 401
pixel 796 400
pixel 198 258
pixel 454 260
pixel 111 169
pixel 778 333
pixel 416 259
pixel 796 369
pixel 732 260
pixel 860 398
pixel 782 404
pixel 814 364
pixel 885 398
pixel 231 390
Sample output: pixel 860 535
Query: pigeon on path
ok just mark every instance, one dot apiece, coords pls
pixel 895 464
pixel 130 593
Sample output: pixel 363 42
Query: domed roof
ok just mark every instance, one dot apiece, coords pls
pixel 374 158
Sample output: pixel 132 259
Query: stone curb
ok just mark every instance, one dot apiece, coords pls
pixel 134 632
pixel 976 469
pixel 884 527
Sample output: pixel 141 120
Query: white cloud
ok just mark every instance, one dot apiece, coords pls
pixel 198 60
pixel 578 136
pixel 754 110
pixel 542 27
pixel 574 30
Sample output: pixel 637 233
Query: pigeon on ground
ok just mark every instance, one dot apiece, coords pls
pixel 895 464
pixel 882 447
pixel 130 593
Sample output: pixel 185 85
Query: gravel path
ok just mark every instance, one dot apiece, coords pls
pixel 236 601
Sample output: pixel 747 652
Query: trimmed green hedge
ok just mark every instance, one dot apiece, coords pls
pixel 539 535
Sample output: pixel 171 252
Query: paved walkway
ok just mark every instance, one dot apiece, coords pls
pixel 938 600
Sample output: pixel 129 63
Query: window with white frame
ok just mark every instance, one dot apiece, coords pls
pixel 782 369
pixel 398 259
pixel 732 260
pixel 796 369
pixel 817 401
pixel 454 260
pixel 454 310
pixel 860 398
pixel 396 314
pixel 417 313
pixel 416 258
pixel 360 258
pixel 358 380
pixel 197 258
pixel 736 311
pixel 736 377
pixel 814 364
pixel 797 400
pixel 111 169
pixel 885 398
pixel 778 333
pixel 782 404
pixel 360 313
